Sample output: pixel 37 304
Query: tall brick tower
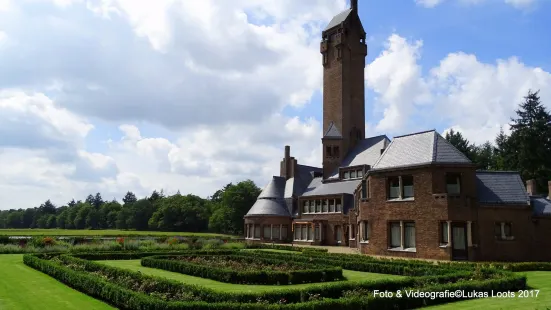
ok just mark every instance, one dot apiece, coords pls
pixel 343 50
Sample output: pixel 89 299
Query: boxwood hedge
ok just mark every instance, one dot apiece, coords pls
pixel 302 273
pixel 86 279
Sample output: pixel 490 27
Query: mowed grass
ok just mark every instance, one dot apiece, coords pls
pixel 228 287
pixel 106 232
pixel 537 280
pixel 23 288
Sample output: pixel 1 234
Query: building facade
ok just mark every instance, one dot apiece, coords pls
pixel 415 196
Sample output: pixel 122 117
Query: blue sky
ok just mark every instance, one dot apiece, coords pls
pixel 189 95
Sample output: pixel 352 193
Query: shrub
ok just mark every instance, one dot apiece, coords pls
pixel 124 294
pixel 299 272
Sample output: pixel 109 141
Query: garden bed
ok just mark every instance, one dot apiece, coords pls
pixel 242 268
pixel 133 290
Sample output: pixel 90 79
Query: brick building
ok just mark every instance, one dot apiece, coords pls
pixel 415 196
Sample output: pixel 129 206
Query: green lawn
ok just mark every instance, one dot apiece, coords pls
pixel 228 287
pixel 24 288
pixel 106 232
pixel 537 280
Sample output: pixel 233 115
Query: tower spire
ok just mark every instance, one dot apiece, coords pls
pixel 354 5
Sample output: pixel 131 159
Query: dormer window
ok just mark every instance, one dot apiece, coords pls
pixel 347 175
pixel 453 183
pixel 353 174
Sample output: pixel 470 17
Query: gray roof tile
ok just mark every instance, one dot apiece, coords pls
pixel 542 206
pixel 339 18
pixel 275 189
pixel 269 207
pixel 419 148
pixel 366 152
pixel 332 132
pixel 500 187
pixel 317 188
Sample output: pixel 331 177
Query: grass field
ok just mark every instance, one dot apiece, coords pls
pixel 23 288
pixel 228 287
pixel 537 280
pixel 107 232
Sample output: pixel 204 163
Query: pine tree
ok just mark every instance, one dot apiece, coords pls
pixel 530 141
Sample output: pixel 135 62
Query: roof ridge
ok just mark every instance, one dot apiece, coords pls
pixel 415 133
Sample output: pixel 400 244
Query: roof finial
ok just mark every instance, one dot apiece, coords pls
pixel 354 5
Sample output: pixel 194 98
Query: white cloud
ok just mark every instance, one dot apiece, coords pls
pixel 473 97
pixel 396 77
pixel 428 3
pixel 215 76
pixel 519 4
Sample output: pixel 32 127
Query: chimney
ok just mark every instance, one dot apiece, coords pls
pixel 354 5
pixel 549 190
pixel 287 163
pixel 531 187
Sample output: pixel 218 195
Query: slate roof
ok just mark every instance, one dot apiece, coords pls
pixel 332 132
pixel 541 205
pixel 270 202
pixel 366 152
pixel 275 198
pixel 316 187
pixel 417 149
pixel 339 18
pixel 500 187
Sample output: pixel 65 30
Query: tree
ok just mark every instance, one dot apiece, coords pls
pixel 181 213
pixel 485 158
pixel 92 219
pixel 529 145
pixel 72 203
pixel 129 198
pixel 462 144
pixel 90 200
pixel 139 214
pixel 98 201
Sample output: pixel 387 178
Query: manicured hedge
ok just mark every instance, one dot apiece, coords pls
pixel 285 248
pixel 313 272
pixel 124 298
pixel 365 263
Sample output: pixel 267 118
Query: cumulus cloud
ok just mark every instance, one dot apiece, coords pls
pixel 194 94
pixel 518 4
pixel 462 92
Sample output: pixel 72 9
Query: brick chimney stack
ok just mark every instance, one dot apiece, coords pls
pixel 288 164
pixel 531 187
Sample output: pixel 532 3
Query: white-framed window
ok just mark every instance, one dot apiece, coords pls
pixel 504 231
pixel 364 230
pixel 275 232
pixel 325 205
pixel 318 206
pixel 312 206
pixel 444 227
pixel 332 205
pixel 409 235
pixel 400 187
pixel 306 206
pixel 338 205
pixel 360 173
pixel 394 188
pixel 353 174
pixel 347 175
pixel 284 232
pixel 267 232
pixel 407 185
pixel 257 231
pixel 304 235
pixel 352 232
pixel 395 235
pixel 453 183
pixel 317 232
pixel 298 231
